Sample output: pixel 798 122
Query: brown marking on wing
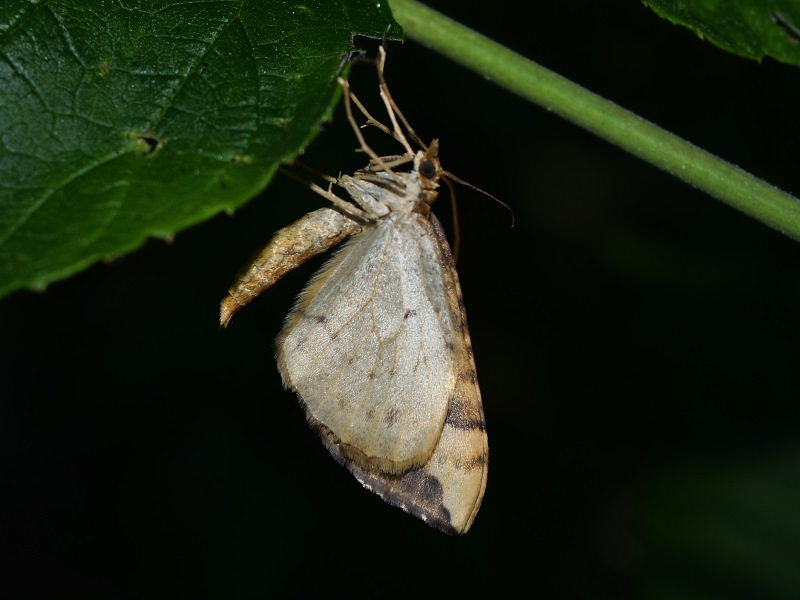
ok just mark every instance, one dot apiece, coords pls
pixel 390 418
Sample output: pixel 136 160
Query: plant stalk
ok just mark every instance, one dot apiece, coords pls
pixel 692 164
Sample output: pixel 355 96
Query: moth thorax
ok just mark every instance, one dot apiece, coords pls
pixel 424 201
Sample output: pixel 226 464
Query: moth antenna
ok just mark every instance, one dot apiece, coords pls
pixel 485 193
pixel 456 228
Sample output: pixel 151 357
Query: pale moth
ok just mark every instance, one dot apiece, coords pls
pixel 377 346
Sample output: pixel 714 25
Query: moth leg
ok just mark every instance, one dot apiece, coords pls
pixel 348 109
pixel 346 207
pixel 371 121
pixel 393 109
pixel 289 248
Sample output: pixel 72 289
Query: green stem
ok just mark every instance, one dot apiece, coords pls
pixel 695 166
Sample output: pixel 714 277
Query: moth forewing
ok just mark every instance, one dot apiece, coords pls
pixel 377 346
pixel 461 459
pixel 368 346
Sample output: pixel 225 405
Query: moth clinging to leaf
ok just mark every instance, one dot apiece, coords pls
pixel 377 346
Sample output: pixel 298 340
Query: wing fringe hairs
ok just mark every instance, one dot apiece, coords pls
pixel 377 345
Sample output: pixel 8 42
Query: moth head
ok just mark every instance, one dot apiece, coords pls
pixel 426 164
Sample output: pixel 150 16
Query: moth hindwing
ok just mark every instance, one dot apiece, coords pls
pixel 377 346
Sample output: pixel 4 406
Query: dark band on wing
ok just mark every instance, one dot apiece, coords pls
pixel 415 490
pixel 464 416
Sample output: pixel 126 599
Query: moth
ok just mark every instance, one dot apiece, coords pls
pixel 377 346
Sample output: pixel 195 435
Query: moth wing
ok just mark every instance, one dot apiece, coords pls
pixel 368 347
pixel 447 491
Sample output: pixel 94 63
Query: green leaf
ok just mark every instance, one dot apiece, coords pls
pixel 750 28
pixel 125 119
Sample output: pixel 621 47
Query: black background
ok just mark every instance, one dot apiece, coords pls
pixel 636 343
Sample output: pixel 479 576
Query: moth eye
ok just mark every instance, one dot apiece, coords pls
pixel 427 169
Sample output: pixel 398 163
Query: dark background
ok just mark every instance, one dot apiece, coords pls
pixel 636 343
